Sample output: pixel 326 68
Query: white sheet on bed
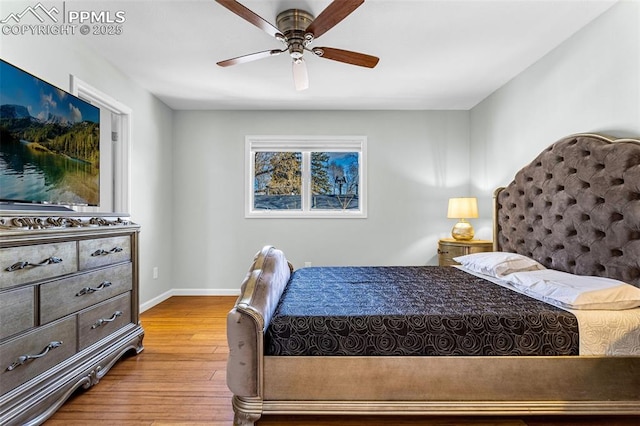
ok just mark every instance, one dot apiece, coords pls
pixel 602 332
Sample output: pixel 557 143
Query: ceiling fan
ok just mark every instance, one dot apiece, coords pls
pixel 297 29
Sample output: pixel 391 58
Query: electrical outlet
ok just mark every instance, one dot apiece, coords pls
pixel 307 264
pixel 155 272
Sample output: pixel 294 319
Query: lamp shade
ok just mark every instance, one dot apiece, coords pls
pixel 463 208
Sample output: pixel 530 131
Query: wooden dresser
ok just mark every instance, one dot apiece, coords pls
pixel 448 248
pixel 68 308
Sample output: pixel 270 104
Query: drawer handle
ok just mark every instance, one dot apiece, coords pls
pixel 442 252
pixel 101 252
pixel 89 290
pixel 102 321
pixel 22 265
pixel 24 358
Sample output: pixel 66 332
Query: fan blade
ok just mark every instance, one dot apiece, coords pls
pixel 250 57
pixel 251 17
pixel 346 56
pixel 332 15
pixel 300 75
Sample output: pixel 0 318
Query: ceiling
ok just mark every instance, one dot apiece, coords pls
pixel 447 54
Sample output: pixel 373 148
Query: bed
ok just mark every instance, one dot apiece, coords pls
pixel 574 212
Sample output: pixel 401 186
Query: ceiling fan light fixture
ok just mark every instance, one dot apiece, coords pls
pixel 300 75
pixel 296 49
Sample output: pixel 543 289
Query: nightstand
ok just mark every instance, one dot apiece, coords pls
pixel 448 248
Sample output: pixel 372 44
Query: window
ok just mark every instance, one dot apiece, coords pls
pixel 305 176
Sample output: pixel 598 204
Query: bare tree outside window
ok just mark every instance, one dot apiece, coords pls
pixel 334 177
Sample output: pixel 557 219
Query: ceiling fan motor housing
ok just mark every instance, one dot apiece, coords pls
pixel 293 24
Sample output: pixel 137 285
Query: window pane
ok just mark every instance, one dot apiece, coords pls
pixel 335 177
pixel 277 181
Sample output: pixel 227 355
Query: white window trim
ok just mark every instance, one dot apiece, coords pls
pixel 306 145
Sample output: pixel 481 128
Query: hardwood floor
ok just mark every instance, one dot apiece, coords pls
pixel 179 379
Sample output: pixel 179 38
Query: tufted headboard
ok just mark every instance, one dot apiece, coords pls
pixel 576 208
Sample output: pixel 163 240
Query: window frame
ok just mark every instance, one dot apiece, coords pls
pixel 306 145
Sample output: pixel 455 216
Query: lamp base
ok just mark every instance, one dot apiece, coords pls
pixel 462 231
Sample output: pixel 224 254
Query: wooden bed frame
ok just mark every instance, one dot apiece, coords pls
pixel 506 385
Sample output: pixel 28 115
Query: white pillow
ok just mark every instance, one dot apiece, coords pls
pixel 498 263
pixel 576 291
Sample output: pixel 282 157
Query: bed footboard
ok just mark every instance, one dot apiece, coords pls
pixel 246 322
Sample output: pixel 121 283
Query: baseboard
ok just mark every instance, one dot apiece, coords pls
pixel 187 292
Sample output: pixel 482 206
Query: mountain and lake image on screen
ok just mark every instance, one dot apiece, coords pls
pixel 49 142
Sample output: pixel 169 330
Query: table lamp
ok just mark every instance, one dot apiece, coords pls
pixel 462 209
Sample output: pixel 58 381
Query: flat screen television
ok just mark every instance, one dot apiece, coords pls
pixel 49 144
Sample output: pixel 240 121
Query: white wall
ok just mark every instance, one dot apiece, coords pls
pixel 416 161
pixel 54 59
pixel 590 83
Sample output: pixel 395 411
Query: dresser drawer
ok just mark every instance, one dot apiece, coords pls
pixel 16 311
pixel 104 251
pixel 45 347
pixel 24 264
pixel 101 320
pixel 62 297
